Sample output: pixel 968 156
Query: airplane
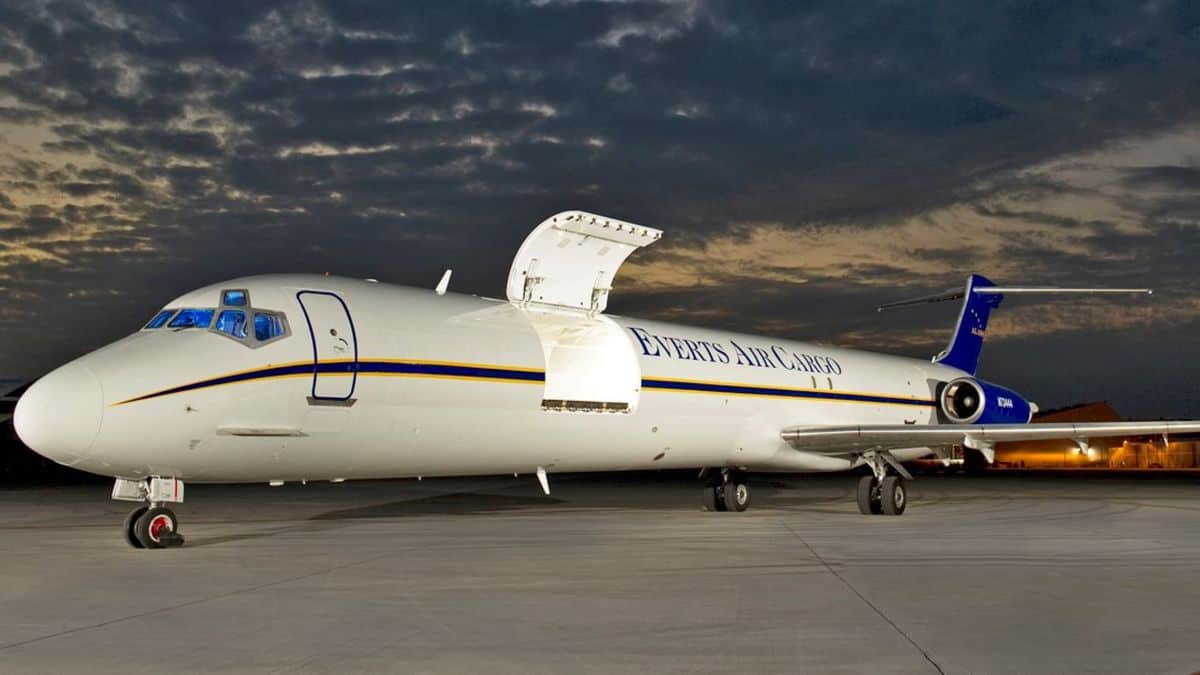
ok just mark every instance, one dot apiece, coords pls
pixel 310 377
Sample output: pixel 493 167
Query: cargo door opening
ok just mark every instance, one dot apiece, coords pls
pixel 590 364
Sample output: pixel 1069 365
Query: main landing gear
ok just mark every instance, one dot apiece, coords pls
pixel 881 493
pixel 151 525
pixel 727 491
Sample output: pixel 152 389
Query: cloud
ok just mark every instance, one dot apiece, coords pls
pixel 806 161
pixel 1169 177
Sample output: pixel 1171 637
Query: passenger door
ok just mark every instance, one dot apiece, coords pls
pixel 335 346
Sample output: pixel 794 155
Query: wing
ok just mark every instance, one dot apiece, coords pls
pixel 856 439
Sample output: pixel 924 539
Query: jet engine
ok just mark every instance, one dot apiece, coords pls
pixel 970 401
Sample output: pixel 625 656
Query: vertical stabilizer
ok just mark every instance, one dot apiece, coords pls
pixel 967 341
pixel 979 298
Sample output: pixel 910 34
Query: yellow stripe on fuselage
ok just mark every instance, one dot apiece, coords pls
pixel 760 390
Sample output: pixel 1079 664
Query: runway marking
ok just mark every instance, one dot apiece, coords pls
pixel 161 610
pixel 862 597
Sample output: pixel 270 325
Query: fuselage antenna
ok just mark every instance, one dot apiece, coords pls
pixel 444 283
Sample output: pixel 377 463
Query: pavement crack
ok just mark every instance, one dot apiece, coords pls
pixel 198 601
pixel 867 602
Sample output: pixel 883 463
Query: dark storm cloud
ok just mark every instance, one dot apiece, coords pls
pixel 40 225
pixel 20 115
pixel 741 105
pixel 1170 177
pixel 186 142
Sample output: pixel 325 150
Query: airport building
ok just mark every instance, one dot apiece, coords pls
pixel 1132 452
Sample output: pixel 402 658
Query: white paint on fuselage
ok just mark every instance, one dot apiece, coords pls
pixel 405 425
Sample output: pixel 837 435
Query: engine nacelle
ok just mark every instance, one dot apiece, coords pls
pixel 970 401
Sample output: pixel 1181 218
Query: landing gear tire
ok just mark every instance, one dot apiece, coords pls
pixel 157 528
pixel 893 496
pixel 869 502
pixel 711 498
pixel 736 496
pixel 130 523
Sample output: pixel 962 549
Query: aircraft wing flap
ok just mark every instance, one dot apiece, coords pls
pixel 835 440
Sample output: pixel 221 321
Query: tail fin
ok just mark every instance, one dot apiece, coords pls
pixel 980 297
pixel 967 341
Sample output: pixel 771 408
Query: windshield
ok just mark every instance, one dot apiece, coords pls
pixel 268 326
pixel 236 317
pixel 160 319
pixel 192 318
pixel 232 322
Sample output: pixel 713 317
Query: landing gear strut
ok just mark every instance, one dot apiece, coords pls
pixel 881 493
pixel 726 492
pixel 152 525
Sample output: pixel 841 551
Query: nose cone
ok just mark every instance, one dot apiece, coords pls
pixel 59 416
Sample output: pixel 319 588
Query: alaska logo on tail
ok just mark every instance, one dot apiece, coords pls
pixel 980 296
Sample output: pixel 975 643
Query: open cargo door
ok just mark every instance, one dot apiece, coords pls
pixel 570 259
pixel 561 278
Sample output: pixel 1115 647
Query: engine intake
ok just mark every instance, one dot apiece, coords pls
pixel 970 401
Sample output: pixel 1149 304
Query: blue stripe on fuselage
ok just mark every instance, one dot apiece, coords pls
pixel 750 390
pixel 498 373
pixel 474 372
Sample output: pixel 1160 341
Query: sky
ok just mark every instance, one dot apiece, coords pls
pixel 807 162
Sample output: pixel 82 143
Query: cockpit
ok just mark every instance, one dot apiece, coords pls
pixel 235 318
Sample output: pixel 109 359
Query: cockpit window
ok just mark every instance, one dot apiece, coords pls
pixel 160 319
pixel 233 319
pixel 268 326
pixel 232 322
pixel 192 318
pixel 236 313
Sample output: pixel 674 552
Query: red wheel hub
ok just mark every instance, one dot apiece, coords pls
pixel 159 526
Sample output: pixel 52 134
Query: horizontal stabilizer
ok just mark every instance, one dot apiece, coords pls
pixel 980 296
pixel 1052 290
pixel 944 296
pixel 958 294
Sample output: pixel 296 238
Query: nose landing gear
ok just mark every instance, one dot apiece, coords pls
pixel 152 525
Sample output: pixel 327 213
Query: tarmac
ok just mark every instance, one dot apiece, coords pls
pixel 614 573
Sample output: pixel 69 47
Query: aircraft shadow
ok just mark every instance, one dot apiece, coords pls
pixel 458 503
pixel 481 503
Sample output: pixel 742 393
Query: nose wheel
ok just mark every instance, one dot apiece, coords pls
pixel 130 522
pixel 152 527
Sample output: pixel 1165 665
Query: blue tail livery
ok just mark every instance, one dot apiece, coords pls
pixel 980 296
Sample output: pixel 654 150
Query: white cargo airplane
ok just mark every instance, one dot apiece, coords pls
pixel 305 377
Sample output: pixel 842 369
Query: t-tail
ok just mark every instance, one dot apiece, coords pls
pixel 980 297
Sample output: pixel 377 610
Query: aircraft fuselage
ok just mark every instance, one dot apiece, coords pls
pixel 374 380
